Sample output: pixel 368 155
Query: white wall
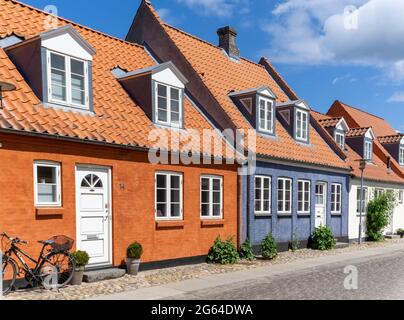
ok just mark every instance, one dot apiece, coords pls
pixel 398 215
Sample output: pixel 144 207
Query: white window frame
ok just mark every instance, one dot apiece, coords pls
pixel 69 102
pixel 211 179
pixel 304 126
pixel 48 164
pixel 400 196
pixel 340 143
pixel 283 200
pixel 268 108
pixel 169 123
pixel 336 189
pixel 368 150
pixel 262 192
pixel 305 183
pixel 168 194
pixel 365 200
pixel 401 155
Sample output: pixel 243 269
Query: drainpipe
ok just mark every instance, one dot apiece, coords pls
pixel 248 207
pixel 240 210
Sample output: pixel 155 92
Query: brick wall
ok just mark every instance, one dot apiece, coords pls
pixel 132 194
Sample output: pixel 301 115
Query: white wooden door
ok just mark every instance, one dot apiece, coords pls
pixel 321 204
pixel 94 216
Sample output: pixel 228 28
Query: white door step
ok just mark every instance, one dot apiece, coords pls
pixel 92 276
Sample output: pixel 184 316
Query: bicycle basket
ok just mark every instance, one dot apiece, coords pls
pixel 61 243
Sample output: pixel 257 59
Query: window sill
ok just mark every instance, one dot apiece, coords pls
pixel 304 215
pixel 336 214
pixel 263 215
pixel 285 215
pixel 167 224
pixel 47 212
pixel 213 223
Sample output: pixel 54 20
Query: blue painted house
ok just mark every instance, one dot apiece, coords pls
pixel 301 179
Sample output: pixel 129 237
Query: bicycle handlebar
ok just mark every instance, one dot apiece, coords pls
pixel 14 240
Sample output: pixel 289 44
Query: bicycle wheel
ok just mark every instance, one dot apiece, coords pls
pixel 60 265
pixel 9 268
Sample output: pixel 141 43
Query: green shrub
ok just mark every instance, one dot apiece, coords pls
pixel 134 251
pixel 268 247
pixel 223 252
pixel 323 239
pixel 400 232
pixel 246 251
pixel 294 245
pixel 81 258
pixel 379 215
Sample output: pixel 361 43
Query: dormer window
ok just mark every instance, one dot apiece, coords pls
pixel 368 150
pixel 266 115
pixel 302 125
pixel 401 155
pixel 168 105
pixel 67 80
pixel 340 139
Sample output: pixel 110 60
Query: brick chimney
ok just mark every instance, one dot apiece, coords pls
pixel 227 41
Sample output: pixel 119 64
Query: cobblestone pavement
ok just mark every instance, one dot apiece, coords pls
pixel 173 275
pixel 379 278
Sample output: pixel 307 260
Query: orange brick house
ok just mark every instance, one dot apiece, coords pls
pixel 74 146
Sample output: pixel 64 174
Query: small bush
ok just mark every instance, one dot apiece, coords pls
pixel 400 232
pixel 323 239
pixel 81 258
pixel 223 252
pixel 379 215
pixel 268 247
pixel 134 251
pixel 294 245
pixel 246 251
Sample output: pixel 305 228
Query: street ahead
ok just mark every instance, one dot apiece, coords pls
pixel 379 277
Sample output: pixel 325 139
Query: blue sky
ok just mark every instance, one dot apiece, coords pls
pixel 351 50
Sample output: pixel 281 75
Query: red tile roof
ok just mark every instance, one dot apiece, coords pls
pixel 377 171
pixel 357 132
pixel 117 120
pixel 222 75
pixel 391 139
pixel 330 123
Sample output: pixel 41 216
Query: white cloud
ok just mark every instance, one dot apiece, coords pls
pixel 219 8
pixel 166 16
pixel 346 77
pixel 397 97
pixel 316 32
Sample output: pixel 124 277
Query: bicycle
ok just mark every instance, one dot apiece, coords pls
pixel 54 256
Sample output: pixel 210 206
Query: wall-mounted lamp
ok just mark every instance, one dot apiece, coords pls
pixel 4 87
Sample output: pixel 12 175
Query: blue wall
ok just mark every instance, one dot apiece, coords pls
pixel 283 227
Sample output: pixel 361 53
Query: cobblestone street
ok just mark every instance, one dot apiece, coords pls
pixel 379 278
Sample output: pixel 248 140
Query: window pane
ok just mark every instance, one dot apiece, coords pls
pixel 175 182
pixel 46 174
pixel 175 210
pixel 161 196
pixel 161 181
pixel 175 94
pixel 162 90
pixel 266 206
pixel 216 210
pixel 205 210
pixel 57 61
pixel 175 196
pixel 47 193
pixel 216 197
pixel 205 184
pixel 216 184
pixel 162 210
pixel 257 205
pixel 78 97
pixel 205 197
pixel 77 67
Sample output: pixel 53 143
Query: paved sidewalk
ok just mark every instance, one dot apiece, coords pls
pixel 170 291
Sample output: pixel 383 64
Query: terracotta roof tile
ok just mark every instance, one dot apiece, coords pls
pixel 222 76
pixel 329 123
pixel 117 118
pixel 376 171
pixel 357 132
pixel 391 139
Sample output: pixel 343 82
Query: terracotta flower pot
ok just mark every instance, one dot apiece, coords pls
pixel 132 266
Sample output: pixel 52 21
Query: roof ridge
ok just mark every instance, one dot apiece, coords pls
pixel 76 24
pixel 209 43
pixel 358 109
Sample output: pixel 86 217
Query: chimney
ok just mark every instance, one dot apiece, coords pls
pixel 227 41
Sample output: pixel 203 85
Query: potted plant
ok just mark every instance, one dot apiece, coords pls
pixel 133 255
pixel 81 258
pixel 400 232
